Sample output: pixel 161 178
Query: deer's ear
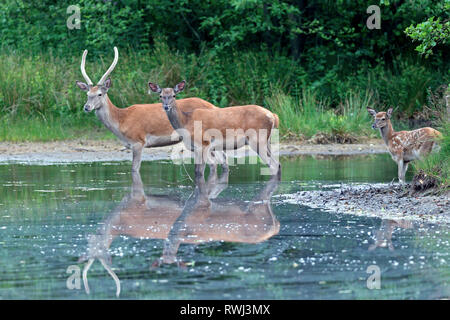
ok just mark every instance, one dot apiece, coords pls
pixel 105 87
pixel 180 87
pixel 107 84
pixel 389 113
pixel 154 87
pixel 371 111
pixel 83 86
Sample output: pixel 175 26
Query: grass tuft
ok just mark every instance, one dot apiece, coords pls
pixel 310 116
pixel 23 129
pixel 437 165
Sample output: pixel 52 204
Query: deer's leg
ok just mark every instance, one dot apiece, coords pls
pixel 400 165
pixel 208 158
pixel 225 169
pixel 212 163
pixel 262 148
pixel 170 251
pixel 169 255
pixel 220 156
pixel 137 187
pixel 212 178
pixel 275 165
pixel 137 156
pixel 179 229
pixel 200 162
pixel 224 162
pixel 428 147
pixel 405 168
pixel 216 185
pixel 213 169
pixel 269 189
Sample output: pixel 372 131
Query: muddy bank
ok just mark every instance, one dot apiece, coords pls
pixel 387 201
pixel 84 151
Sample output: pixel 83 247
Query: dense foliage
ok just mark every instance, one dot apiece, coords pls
pixel 431 32
pixel 302 28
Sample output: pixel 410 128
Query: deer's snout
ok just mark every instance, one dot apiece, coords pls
pixel 87 108
pixel 374 125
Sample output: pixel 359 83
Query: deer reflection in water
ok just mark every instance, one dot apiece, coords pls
pixel 202 218
pixel 383 237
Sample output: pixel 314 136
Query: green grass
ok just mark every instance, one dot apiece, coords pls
pixel 39 100
pixel 309 115
pixel 16 129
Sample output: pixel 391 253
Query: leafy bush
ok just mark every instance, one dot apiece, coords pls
pixel 433 31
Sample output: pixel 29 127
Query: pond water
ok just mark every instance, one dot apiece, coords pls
pixel 228 240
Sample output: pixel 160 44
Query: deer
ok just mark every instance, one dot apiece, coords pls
pixel 138 126
pixel 404 146
pixel 202 218
pixel 205 130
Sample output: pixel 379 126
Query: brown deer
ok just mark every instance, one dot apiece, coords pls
pixel 138 126
pixel 220 129
pixel 404 146
pixel 201 219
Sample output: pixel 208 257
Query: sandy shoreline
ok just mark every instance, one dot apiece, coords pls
pixel 84 151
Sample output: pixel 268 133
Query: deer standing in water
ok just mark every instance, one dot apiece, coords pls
pixel 206 130
pixel 201 219
pixel 404 146
pixel 138 126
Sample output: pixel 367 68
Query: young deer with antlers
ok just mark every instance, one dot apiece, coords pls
pixel 404 146
pixel 138 126
pixel 206 130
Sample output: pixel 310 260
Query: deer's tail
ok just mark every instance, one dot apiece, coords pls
pixel 277 121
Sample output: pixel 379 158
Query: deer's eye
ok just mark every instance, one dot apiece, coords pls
pixel 99 94
pixel 383 119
